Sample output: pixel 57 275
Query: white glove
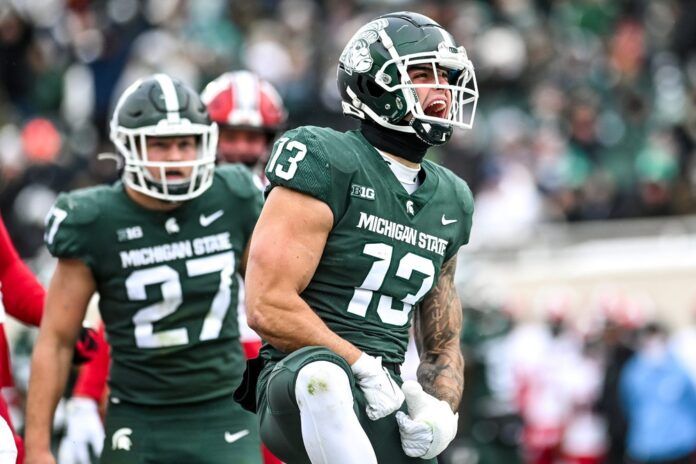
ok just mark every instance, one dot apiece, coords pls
pixel 383 395
pixel 429 426
pixel 84 430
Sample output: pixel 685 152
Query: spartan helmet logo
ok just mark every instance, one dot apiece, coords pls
pixel 171 226
pixel 356 56
pixel 121 439
pixel 409 207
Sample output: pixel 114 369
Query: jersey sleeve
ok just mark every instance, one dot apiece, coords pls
pixel 299 162
pixel 255 206
pixel 67 233
pixel 248 189
pixel 466 203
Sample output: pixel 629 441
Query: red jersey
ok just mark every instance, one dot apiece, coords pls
pixel 21 296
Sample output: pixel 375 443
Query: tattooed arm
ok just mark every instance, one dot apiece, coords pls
pixel 438 324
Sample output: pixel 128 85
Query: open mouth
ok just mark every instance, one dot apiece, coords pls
pixel 174 174
pixel 436 108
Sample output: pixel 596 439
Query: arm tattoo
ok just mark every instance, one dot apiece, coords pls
pixel 437 326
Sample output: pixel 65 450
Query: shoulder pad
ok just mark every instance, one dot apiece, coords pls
pixel 238 179
pixel 314 161
pixel 462 192
pixel 299 161
pixel 458 190
pixel 66 234
pixel 338 148
pixel 82 206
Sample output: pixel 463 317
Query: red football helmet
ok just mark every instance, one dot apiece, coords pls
pixel 249 113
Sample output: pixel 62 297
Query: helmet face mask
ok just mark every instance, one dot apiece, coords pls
pixel 461 85
pixel 159 106
pixel 139 168
pixel 374 81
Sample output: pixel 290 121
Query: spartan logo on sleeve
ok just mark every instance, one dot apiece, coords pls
pixel 356 56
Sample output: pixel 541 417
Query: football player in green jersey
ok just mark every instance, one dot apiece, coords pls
pixel 161 247
pixel 358 238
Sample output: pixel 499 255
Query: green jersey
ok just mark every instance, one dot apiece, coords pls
pixel 167 285
pixel 386 248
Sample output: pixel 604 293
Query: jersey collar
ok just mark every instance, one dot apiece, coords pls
pixel 423 194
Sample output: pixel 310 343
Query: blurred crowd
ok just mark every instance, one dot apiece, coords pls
pixel 587 109
pixel 615 387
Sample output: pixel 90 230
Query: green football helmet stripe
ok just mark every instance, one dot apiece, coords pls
pixel 171 101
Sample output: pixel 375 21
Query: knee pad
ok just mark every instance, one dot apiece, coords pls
pixel 8 448
pixel 323 386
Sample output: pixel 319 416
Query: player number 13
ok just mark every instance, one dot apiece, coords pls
pixel 287 172
pixel 362 296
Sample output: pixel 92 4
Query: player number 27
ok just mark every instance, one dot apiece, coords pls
pixel 172 297
pixel 288 172
pixel 362 296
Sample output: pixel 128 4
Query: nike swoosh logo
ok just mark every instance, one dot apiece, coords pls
pixel 232 437
pixel 446 221
pixel 207 220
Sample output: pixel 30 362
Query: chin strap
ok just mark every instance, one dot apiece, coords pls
pixel 406 145
pixel 408 141
pixel 431 133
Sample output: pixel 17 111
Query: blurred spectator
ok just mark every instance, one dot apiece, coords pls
pixel 621 321
pixel 26 198
pixel 656 167
pixel 684 344
pixel 489 419
pixel 17 49
pixel 556 384
pixel 660 402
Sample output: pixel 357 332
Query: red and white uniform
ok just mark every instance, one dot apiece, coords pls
pixel 22 297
